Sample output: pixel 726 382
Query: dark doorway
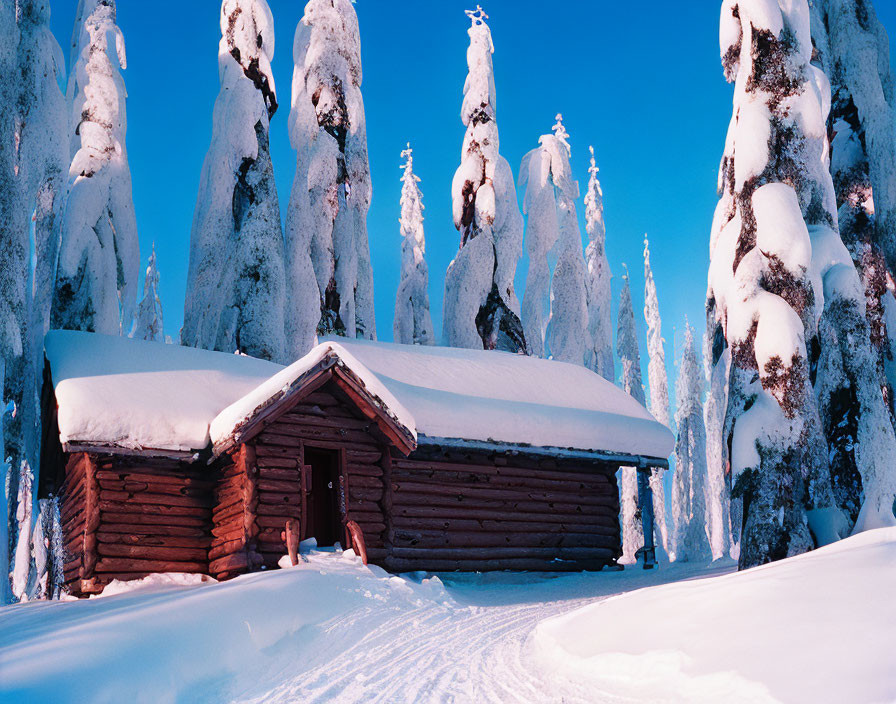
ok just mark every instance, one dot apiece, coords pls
pixel 324 516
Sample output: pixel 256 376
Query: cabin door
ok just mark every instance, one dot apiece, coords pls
pixel 324 520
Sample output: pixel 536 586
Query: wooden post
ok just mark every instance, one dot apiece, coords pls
pixel 645 501
pixel 357 538
pixel 291 538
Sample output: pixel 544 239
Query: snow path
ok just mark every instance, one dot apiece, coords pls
pixel 475 649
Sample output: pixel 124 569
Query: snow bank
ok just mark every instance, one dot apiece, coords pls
pixel 139 394
pixel 199 643
pixel 813 628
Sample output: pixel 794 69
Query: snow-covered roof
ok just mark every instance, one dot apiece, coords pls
pixel 136 394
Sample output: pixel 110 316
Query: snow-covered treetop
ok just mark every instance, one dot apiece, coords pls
pixel 149 322
pixel 690 382
pixel 659 383
pixel 247 35
pixel 98 115
pixel 411 202
pixel 560 133
pixel 594 205
pixel 479 89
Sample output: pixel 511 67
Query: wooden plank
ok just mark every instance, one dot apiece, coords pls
pixel 144 567
pixel 162 541
pixel 149 552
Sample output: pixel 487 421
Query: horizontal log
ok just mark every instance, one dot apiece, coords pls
pixel 156 478
pixel 485 492
pixel 283 510
pixel 141 489
pixel 230 563
pixel 501 481
pixel 261 451
pixel 148 519
pixel 156 499
pixel 229 547
pixel 372 471
pixel 279 475
pixel 598 525
pixel 280 486
pixel 364 493
pixel 160 541
pixel 372 516
pixel 364 481
pixel 273 497
pixel 397 564
pixel 443 512
pixel 475 464
pixel 139 507
pixel 300 420
pixel 363 455
pixel 150 552
pixel 137 529
pixel 436 539
pixel 144 567
pixel 290 464
pixel 284 437
pixel 480 505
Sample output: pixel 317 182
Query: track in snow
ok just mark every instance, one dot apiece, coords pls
pixel 473 648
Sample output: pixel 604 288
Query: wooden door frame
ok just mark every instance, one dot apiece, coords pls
pixel 341 477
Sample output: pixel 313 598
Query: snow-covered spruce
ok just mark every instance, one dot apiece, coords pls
pixel 149 323
pixel 599 353
pixel 555 306
pixel 22 569
pixel 99 258
pixel 659 390
pixel 852 48
pixel 236 284
pixel 690 539
pixel 33 158
pixel 779 276
pixel 630 358
pixel 413 323
pixel 331 194
pixel 481 309
pixel 718 494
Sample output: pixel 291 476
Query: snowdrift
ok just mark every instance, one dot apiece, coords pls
pixel 813 628
pixel 200 643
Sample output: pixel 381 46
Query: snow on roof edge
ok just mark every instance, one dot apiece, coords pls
pixel 546 450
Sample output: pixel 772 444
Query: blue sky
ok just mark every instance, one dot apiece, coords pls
pixel 640 81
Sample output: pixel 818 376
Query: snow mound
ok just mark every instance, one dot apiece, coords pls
pixel 813 628
pixel 199 643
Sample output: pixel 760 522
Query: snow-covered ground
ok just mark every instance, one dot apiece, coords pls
pixel 814 628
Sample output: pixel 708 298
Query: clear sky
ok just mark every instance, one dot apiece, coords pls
pixel 641 81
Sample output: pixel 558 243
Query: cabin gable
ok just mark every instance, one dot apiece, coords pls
pixel 272 478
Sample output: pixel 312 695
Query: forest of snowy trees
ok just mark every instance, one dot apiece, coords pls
pixel 784 409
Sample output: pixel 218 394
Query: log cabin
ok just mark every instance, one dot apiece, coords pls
pixel 174 459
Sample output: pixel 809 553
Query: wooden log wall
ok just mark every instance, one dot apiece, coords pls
pixel 126 517
pixel 477 511
pixel 234 545
pixel 325 420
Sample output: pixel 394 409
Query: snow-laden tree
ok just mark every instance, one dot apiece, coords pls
pixel 99 258
pixel 853 50
pixel 236 288
pixel 555 306
pixel 413 323
pixel 599 353
pixel 22 571
pixel 779 274
pixel 718 494
pixel 659 390
pixel 33 159
pixel 630 358
pixel 149 323
pixel 689 483
pixel 332 191
pixel 481 308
